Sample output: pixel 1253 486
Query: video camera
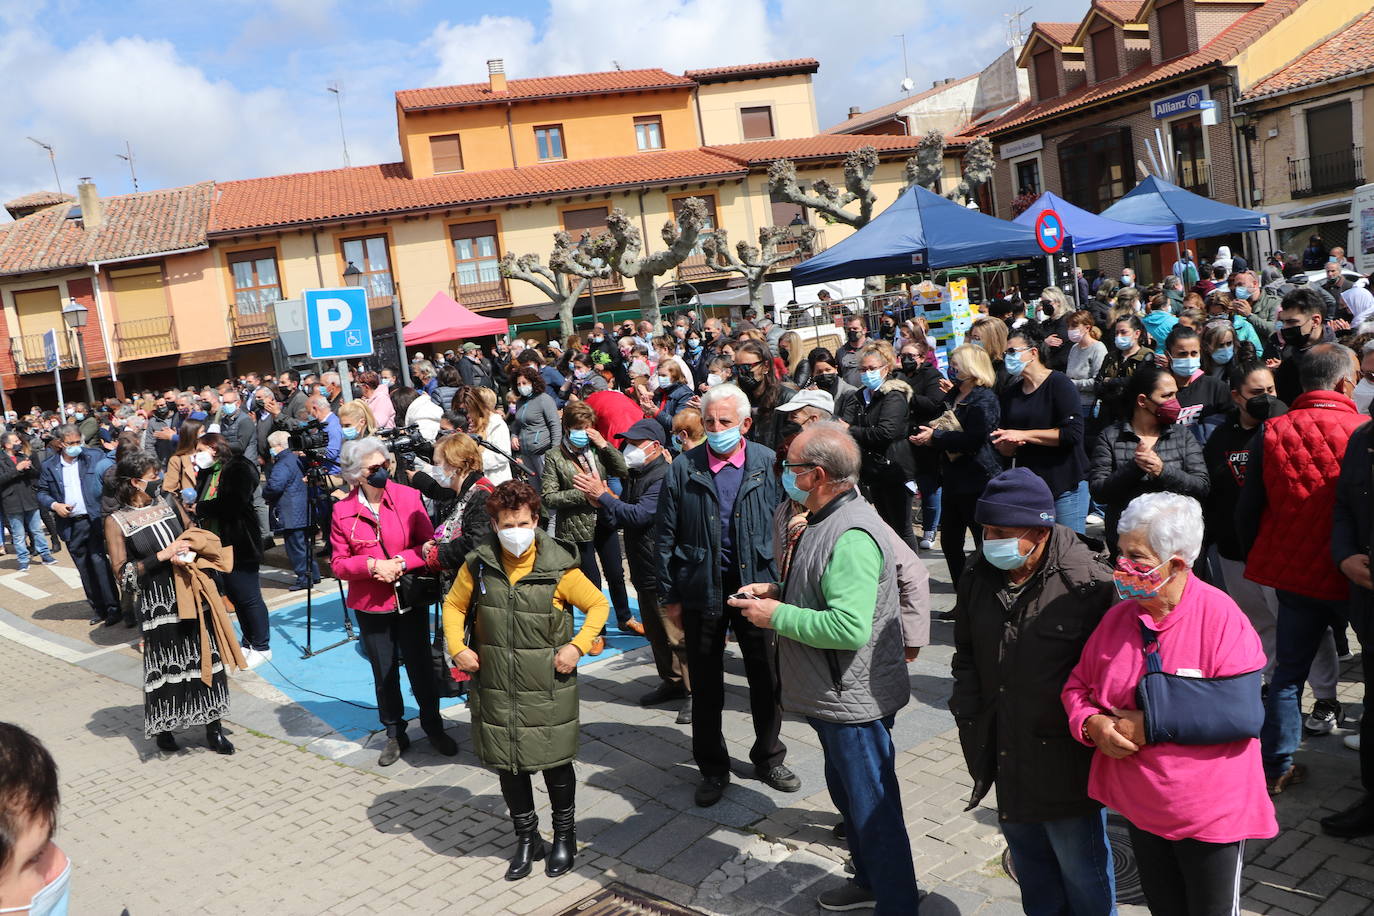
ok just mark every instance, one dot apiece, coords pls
pixel 311 440
pixel 406 443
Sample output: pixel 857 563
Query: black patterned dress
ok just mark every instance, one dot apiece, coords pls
pixel 174 696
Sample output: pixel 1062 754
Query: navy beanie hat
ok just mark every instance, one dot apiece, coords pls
pixel 1016 498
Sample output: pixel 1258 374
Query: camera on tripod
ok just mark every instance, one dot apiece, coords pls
pixel 406 443
pixel 310 441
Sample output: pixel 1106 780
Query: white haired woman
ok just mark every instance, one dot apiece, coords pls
pixel 1197 660
pixel 379 532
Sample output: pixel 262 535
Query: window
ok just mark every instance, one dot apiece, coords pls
pixel 649 132
pixel 1104 54
pixel 1046 75
pixel 786 213
pixel 707 225
pixel 476 254
pixel 549 140
pixel 1097 171
pixel 756 123
pixel 1173 29
pixel 1028 176
pixel 588 219
pixel 1190 159
pixel 255 280
pixel 447 153
pixel 369 256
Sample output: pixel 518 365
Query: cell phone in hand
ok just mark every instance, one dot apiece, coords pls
pixel 744 595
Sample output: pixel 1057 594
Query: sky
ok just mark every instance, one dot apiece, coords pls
pixel 242 91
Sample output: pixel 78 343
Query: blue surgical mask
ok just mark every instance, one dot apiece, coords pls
pixel 1123 342
pixel 1014 363
pixel 1185 366
pixel 51 899
pixel 1004 553
pixel 789 483
pixel 1126 281
pixel 871 378
pixel 73 451
pixel 1223 355
pixel 724 441
pixel 78 416
pixel 230 409
pixel 1241 292
pixel 693 346
pixel 578 438
pixel 349 432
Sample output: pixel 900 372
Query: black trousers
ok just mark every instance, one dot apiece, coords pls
pixel 1362 620
pixel 956 517
pixel 605 544
pixel 85 538
pixel 1188 877
pixel 243 586
pixel 518 790
pixel 892 500
pixel 706 667
pixel 388 639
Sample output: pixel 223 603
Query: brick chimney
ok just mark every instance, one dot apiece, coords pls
pixel 496 75
pixel 92 210
pixel 854 111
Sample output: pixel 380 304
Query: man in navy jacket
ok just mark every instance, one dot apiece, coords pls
pixel 71 485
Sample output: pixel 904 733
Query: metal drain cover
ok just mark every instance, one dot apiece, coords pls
pixel 620 900
pixel 1123 862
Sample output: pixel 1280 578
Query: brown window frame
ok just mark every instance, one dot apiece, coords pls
pixel 470 231
pixel 1173 35
pixel 646 121
pixel 369 276
pixel 434 159
pixel 254 256
pixel 1042 64
pixel 1105 36
pixel 744 112
pixel 562 143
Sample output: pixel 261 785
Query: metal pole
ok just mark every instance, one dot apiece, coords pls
pixel 81 348
pixel 400 340
pixel 61 401
pixel 341 367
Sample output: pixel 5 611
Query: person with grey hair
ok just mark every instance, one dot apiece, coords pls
pixel 714 535
pixel 841 660
pixel 378 533
pixel 1159 762
pixel 426 380
pixel 1284 520
pixel 288 501
pixel 333 389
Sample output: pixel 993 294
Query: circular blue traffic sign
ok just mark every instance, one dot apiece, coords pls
pixel 1049 231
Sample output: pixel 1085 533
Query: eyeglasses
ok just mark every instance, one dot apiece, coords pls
pixel 747 367
pixel 790 465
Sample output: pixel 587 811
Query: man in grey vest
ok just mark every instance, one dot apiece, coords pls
pixel 840 659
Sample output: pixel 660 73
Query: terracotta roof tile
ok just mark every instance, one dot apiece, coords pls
pixel 754 71
pixel 1226 45
pixel 1058 33
pixel 1120 10
pixel 285 200
pixel 1344 53
pixel 887 112
pixel 824 146
pixel 38 199
pixel 543 87
pixel 149 222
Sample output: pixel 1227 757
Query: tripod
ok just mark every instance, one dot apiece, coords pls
pixel 515 464
pixel 317 490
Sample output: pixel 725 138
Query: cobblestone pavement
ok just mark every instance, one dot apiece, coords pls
pixel 301 821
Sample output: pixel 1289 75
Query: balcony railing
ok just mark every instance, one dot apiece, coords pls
pixel 612 284
pixel 146 337
pixel 379 288
pixel 1195 176
pixel 792 247
pixel 1327 173
pixel 698 267
pixel 480 293
pixel 250 327
pixel 29 355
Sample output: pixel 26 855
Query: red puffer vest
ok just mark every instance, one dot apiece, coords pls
pixel 1302 459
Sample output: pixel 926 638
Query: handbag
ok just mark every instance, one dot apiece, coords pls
pixel 948 422
pixel 1196 710
pixel 449 679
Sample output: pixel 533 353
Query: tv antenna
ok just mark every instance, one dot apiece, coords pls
pixel 128 156
pixel 907 83
pixel 1015 31
pixel 337 89
pixel 52 157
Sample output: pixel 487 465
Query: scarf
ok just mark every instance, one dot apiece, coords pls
pixel 199 598
pixel 796 527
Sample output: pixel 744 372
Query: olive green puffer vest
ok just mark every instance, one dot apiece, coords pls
pixel 524 713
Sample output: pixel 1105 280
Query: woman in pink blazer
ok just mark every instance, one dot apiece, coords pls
pixel 378 533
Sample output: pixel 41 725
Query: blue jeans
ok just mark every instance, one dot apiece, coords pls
pixel 1071 507
pixel 31 522
pixel 297 551
pixel 1302 626
pixel 1064 867
pixel 861 774
pixel 929 487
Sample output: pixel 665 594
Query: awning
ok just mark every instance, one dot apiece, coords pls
pixel 1156 202
pixel 1091 232
pixel 1327 208
pixel 443 319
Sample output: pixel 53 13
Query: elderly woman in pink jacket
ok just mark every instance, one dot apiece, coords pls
pixel 378 533
pixel 1168 692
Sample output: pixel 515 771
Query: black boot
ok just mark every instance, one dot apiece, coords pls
pixel 215 740
pixel 559 782
pixel 529 845
pixel 166 741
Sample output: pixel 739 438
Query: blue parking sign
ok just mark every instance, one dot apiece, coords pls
pixel 337 323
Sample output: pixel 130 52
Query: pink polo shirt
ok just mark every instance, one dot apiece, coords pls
pixel 714 462
pixel 1215 793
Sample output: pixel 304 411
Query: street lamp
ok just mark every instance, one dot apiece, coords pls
pixel 352 275
pixel 74 314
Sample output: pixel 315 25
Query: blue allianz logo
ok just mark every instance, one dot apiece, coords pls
pixel 1178 104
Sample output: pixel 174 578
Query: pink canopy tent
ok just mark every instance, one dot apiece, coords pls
pixel 443 319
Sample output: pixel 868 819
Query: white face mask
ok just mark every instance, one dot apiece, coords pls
pixel 442 476
pixel 635 457
pixel 525 390
pixel 203 460
pixel 713 380
pixel 516 541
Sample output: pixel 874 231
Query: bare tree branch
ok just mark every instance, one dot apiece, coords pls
pixel 826 199
pixel 753 262
pixel 562 287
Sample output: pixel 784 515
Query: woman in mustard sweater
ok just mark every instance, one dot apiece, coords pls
pixel 519 587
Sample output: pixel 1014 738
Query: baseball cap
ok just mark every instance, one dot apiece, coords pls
pixel 641 430
pixel 809 397
pixel 469 347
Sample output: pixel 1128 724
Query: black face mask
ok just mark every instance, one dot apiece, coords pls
pixel 826 381
pixel 151 487
pixel 1265 406
pixel 163 412
pixel 747 381
pixel 853 336
pixel 910 364
pixel 784 353
pixel 1294 337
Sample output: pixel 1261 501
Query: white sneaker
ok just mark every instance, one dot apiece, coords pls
pixel 1352 742
pixel 254 658
pixel 1093 520
pixel 926 543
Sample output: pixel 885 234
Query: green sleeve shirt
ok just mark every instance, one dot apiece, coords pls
pixel 850 588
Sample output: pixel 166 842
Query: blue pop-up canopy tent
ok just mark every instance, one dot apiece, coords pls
pixel 1156 202
pixel 1091 232
pixel 920 231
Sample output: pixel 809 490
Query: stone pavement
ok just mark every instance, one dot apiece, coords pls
pixel 301 821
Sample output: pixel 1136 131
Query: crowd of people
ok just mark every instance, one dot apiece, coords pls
pixel 1166 490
